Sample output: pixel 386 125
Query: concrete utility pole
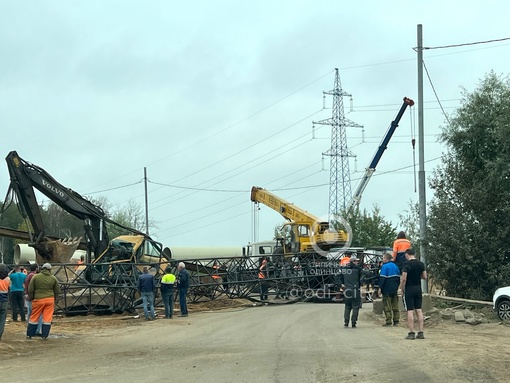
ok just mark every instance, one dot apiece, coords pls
pixel 146 201
pixel 421 159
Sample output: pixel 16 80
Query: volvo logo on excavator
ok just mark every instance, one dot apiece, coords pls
pixel 53 189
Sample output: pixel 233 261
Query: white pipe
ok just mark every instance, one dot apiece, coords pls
pixel 24 254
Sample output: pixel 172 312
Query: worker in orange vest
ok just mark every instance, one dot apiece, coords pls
pixel 215 275
pixel 264 287
pixel 346 259
pixel 399 250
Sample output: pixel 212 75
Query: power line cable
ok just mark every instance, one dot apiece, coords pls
pixel 114 188
pixel 466 44
pixel 305 188
pixel 435 93
pixel 247 163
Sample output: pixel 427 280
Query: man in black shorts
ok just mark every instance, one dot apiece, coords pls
pixel 410 284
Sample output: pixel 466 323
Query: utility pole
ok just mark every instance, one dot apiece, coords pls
pixel 421 159
pixel 340 176
pixel 146 201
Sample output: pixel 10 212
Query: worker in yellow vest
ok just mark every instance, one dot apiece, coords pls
pixel 167 292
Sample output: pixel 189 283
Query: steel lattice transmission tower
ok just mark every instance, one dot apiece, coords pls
pixel 340 177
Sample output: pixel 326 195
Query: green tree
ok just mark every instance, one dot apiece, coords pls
pixel 131 215
pixel 9 217
pixel 59 223
pixel 409 222
pixel 370 228
pixel 469 230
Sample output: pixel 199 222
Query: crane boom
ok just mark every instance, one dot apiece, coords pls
pixel 378 154
pixel 307 232
pixel 288 210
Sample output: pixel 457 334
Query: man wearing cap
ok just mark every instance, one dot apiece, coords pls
pixel 34 269
pixel 167 292
pixel 43 291
pixel 351 277
pixel 5 282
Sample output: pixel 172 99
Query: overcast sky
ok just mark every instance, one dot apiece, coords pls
pixel 221 95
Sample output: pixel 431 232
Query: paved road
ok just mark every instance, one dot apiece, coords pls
pixel 292 343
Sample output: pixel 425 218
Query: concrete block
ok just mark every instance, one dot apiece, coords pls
pixel 377 306
pixel 426 303
pixel 425 306
pixel 434 311
pixel 473 321
pixel 400 303
pixel 468 314
pixel 459 316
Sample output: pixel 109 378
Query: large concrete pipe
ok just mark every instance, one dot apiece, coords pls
pixel 24 254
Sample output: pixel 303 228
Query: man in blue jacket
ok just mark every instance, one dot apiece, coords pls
pixel 146 286
pixel 389 280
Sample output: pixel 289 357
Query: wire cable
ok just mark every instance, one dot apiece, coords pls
pixel 435 93
pixel 465 44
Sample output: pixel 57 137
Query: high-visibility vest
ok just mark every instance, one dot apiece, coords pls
pixel 400 246
pixel 263 269
pixel 215 275
pixel 4 289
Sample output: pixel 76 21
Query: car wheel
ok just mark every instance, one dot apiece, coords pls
pixel 504 310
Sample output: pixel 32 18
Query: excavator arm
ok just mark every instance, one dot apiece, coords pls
pixel 24 178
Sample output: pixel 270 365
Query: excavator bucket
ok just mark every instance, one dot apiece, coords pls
pixel 56 251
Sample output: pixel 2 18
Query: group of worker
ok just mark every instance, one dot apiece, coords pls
pixel 402 271
pixel 39 289
pixel 147 287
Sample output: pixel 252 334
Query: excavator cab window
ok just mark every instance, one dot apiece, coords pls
pixel 304 231
pixel 118 251
pixel 149 252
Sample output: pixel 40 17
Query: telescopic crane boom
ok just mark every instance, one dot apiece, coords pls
pixel 307 232
pixel 378 154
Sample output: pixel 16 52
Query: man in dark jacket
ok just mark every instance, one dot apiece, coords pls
pixel 146 286
pixel 351 277
pixel 183 285
pixel 389 280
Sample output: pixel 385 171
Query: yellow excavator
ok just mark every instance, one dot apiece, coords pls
pixel 136 247
pixel 307 233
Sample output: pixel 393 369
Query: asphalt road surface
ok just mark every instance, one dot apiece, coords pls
pixel 290 343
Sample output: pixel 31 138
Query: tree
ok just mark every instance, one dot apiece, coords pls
pixel 9 217
pixel 370 228
pixel 409 223
pixel 469 231
pixel 131 216
pixel 59 223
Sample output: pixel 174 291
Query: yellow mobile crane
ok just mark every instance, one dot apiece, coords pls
pixel 307 232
